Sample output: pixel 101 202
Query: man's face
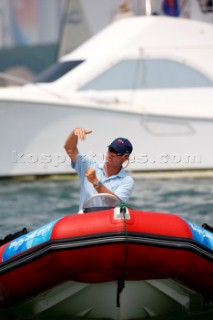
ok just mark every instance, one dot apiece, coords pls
pixel 115 159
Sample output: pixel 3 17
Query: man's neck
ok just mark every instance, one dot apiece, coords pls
pixel 111 170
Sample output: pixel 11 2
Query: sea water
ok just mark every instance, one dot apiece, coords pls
pixel 31 204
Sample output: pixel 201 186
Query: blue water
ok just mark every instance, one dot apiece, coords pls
pixel 33 203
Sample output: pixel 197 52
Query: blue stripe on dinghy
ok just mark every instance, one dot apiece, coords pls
pixel 28 240
pixel 201 235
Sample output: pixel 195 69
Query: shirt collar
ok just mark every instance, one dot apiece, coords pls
pixel 121 173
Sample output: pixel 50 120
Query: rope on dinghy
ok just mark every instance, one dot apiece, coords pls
pixel 121 281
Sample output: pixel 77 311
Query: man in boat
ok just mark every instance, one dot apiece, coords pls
pixel 108 177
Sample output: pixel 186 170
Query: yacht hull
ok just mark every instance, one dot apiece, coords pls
pixel 32 136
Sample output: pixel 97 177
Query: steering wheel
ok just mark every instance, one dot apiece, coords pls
pixel 100 201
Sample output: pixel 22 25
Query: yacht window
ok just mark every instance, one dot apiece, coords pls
pixel 148 74
pixel 56 71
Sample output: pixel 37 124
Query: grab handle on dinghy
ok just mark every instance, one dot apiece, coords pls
pixel 207 227
pixel 12 236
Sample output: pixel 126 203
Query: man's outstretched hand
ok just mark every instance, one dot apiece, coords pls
pixel 81 133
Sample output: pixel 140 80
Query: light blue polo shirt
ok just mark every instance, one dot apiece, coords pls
pixel 121 184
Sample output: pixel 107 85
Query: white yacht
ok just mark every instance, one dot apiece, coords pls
pixel 148 78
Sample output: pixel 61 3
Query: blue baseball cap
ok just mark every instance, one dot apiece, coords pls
pixel 121 146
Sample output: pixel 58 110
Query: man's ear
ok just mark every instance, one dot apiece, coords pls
pixel 126 157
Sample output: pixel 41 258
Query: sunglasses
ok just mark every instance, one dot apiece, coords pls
pixel 111 150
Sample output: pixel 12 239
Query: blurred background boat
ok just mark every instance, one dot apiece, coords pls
pixel 148 77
